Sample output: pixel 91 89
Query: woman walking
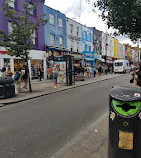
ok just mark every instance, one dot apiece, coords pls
pixel 94 71
pixel 40 71
pixel 17 79
pixel 55 75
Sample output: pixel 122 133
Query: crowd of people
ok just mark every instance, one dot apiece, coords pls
pixel 20 75
pixel 136 75
pixel 87 70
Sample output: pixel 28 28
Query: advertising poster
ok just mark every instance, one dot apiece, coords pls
pixel 61 67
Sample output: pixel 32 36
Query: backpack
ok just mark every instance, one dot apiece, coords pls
pixel 139 79
pixel 17 76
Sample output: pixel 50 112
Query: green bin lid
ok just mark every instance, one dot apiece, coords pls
pixel 126 94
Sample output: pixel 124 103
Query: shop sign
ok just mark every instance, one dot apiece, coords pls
pixel 74 38
pixel 88 43
pixel 3 52
pixel 89 54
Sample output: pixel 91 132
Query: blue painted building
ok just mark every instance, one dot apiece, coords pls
pixel 55 32
pixel 87 46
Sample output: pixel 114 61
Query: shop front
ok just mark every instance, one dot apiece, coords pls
pixel 37 58
pixel 77 58
pixel 88 58
pixel 51 54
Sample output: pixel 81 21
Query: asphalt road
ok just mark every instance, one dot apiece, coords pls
pixel 40 127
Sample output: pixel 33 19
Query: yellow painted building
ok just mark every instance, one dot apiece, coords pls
pixel 115 48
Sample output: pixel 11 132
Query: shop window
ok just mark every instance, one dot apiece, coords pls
pixel 89 37
pixel 85 47
pixel 52 39
pixel 34 38
pixel 35 64
pixel 71 28
pixel 60 23
pixel 10 29
pixel 77 33
pixel 61 41
pixel 12 3
pixel 32 11
pixel 51 19
pixel 89 48
pixel 85 34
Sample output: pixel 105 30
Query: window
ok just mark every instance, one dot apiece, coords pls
pixel 52 39
pixel 61 41
pixel 60 23
pixel 12 3
pixel 10 29
pixel 89 48
pixel 51 19
pixel 32 11
pixel 71 28
pixel 85 34
pixel 89 37
pixel 94 36
pixel 34 38
pixel 77 46
pixel 85 47
pixel 77 33
pixel 119 64
pixel 71 49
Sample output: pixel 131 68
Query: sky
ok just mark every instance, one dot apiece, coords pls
pixel 82 11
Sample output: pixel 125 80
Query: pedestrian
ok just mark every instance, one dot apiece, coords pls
pixel 90 71
pixel 139 77
pixel 136 73
pixel 55 75
pixel 9 73
pixel 40 71
pixel 87 71
pixel 17 78
pixel 94 71
pixel 106 69
pixel 3 72
pixel 99 70
pixel 25 76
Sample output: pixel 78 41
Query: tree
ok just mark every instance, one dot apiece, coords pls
pixel 20 40
pixel 123 15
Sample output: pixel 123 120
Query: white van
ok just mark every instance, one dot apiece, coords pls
pixel 121 66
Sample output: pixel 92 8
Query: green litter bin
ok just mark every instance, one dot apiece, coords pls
pixel 124 122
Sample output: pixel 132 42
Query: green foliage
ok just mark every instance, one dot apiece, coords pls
pixel 19 41
pixel 123 15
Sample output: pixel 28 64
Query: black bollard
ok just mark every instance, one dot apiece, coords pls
pixel 124 122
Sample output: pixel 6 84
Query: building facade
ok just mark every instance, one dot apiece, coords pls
pixel 87 46
pixel 55 32
pixel 115 48
pixel 74 39
pixel 37 54
pixel 121 51
pixel 97 41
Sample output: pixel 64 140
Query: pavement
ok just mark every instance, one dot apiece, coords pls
pixel 46 87
pixel 93 143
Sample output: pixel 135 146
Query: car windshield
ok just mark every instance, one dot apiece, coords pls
pixel 119 64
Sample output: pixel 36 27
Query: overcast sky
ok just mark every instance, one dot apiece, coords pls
pixel 81 11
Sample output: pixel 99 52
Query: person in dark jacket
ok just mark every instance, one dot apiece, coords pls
pixel 25 76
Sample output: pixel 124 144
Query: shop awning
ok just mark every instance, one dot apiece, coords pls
pixel 76 56
pixel 89 59
pixel 58 49
pixel 101 59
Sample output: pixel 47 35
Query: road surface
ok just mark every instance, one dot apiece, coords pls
pixel 40 127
